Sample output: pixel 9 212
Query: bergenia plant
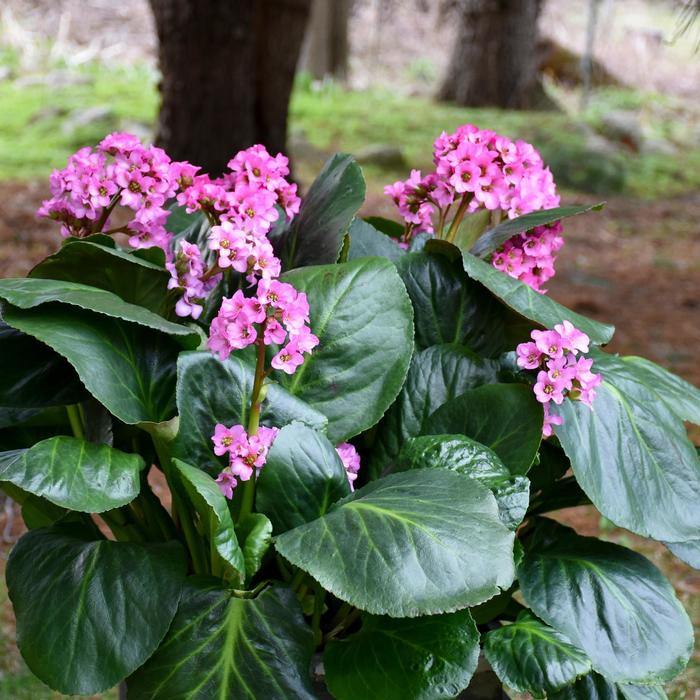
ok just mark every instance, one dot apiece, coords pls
pixel 265 448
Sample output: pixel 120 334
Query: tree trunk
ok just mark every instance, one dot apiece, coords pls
pixel 325 49
pixel 494 59
pixel 228 70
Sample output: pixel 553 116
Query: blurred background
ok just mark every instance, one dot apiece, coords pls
pixel 607 90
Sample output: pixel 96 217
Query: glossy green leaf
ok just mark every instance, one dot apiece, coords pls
pixel 505 417
pixel 471 228
pixel 210 391
pixel 531 657
pixel 495 237
pixel 316 234
pixel 220 646
pixel 211 505
pixel 609 601
pixel 132 279
pixel 28 293
pixel 127 368
pixel 474 460
pixel 417 543
pixel 33 374
pixel 424 658
pixel 90 612
pixel 389 227
pixel 75 474
pixel 366 240
pixel 436 375
pixel 255 534
pixel 449 307
pixel 595 687
pixel 193 228
pixel 632 457
pixel 303 477
pixel 363 318
pixel 523 299
pixel 681 398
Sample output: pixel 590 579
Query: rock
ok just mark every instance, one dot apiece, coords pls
pixel 85 117
pixel 5 73
pixel 47 113
pixel 383 155
pixel 624 127
pixel 658 146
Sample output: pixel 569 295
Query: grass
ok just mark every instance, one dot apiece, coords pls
pixel 36 133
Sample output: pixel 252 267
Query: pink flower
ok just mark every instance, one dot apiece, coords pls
pixel 227 483
pixel 351 461
pixel 546 389
pixel 574 339
pixel 529 355
pixel 288 358
pixel 228 439
pixel 548 343
pixel 550 420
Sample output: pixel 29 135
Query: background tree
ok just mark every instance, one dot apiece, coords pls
pixel 228 69
pixel 494 59
pixel 325 49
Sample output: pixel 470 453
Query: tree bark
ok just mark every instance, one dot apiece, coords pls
pixel 494 60
pixel 325 49
pixel 227 74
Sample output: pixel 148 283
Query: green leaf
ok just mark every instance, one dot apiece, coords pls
pixel 90 612
pixel 436 375
pixel 610 602
pixel 127 368
pixel 505 417
pixel 632 457
pixel 366 240
pixel 316 234
pixel 363 319
pixel 34 375
pixel 449 307
pixel 536 307
pixel 220 646
pixel 212 507
pixel 494 238
pixel 425 658
pixel 132 279
pixel 422 542
pixel 689 551
pixel 303 477
pixel 680 397
pixel 389 227
pixel 595 687
pixel 474 460
pixel 255 531
pixel 210 391
pixel 28 293
pixel 531 657
pixel 75 474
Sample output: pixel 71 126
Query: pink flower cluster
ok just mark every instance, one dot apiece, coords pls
pixel 187 273
pixel 245 453
pixel 561 374
pixel 487 171
pixel 242 206
pixel 121 170
pixel 351 461
pixel 530 256
pixel 276 313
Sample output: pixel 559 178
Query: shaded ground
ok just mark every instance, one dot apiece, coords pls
pixel 636 264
